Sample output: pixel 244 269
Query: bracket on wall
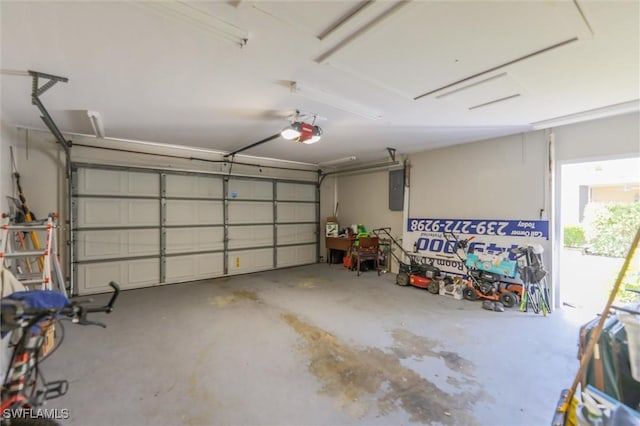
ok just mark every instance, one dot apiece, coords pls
pixel 392 153
pixel 35 100
pixel 36 91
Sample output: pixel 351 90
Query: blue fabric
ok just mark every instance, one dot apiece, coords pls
pixel 39 299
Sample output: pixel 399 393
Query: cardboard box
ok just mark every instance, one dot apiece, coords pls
pixel 48 332
pixel 453 289
pixel 331 229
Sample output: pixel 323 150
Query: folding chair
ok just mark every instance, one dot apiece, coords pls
pixel 367 249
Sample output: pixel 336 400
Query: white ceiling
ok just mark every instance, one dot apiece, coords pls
pixel 485 68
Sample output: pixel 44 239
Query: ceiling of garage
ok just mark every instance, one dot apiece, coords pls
pixel 412 75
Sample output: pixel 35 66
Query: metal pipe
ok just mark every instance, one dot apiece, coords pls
pixel 181 157
pixel 270 138
pixel 363 168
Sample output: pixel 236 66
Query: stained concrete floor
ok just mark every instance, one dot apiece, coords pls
pixel 312 345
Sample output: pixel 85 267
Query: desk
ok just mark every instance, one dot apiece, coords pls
pixel 338 243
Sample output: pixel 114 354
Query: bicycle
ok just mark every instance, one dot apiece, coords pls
pixel 24 315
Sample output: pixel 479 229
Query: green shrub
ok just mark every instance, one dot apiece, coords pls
pixel 574 236
pixel 610 228
pixel 631 281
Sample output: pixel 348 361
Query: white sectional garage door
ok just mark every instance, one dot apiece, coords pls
pixel 148 227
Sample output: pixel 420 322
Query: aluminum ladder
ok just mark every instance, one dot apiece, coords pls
pixel 36 267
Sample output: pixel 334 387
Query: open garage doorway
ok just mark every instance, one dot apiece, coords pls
pixel 600 213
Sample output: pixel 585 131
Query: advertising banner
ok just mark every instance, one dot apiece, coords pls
pixel 489 241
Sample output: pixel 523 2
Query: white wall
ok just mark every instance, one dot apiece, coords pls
pixel 42 174
pixel 328 198
pixel 613 137
pixel 364 200
pixel 508 177
pixel 7 139
pixel 499 178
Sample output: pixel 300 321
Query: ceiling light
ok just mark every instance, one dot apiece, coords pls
pixel 335 101
pixel 302 132
pixel 96 123
pixel 291 132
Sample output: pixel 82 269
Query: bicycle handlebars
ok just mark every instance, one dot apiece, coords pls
pixel 81 317
pixel 20 316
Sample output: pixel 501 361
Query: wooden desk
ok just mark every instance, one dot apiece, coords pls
pixel 338 243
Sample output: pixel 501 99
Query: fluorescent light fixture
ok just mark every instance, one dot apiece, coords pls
pixel 591 114
pixel 201 19
pixel 338 161
pixel 96 123
pixel 335 101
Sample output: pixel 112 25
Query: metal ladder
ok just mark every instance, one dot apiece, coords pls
pixel 20 249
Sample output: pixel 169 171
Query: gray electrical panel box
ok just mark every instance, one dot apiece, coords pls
pixel 396 190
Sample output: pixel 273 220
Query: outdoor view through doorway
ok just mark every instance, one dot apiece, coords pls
pixel 600 213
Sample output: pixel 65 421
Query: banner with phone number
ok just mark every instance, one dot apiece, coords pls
pixel 435 241
pixel 500 228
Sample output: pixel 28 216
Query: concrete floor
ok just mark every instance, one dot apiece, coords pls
pixel 312 345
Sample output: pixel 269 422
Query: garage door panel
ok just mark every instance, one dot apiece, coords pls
pixel 184 240
pixel 118 182
pixel 296 191
pixel 142 212
pixel 292 234
pixel 197 186
pixel 247 189
pixel 95 277
pixel 296 255
pixel 110 212
pixel 194 267
pixel 194 212
pixel 250 236
pixel 241 262
pixel 130 222
pixel 96 245
pixel 296 212
pixel 250 212
pixel 142 184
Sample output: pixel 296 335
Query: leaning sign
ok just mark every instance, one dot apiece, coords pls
pixel 491 240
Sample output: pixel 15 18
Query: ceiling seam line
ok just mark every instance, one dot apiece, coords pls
pixel 494 101
pixel 344 19
pixel 497 67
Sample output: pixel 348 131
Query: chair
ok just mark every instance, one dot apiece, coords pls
pixel 367 249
